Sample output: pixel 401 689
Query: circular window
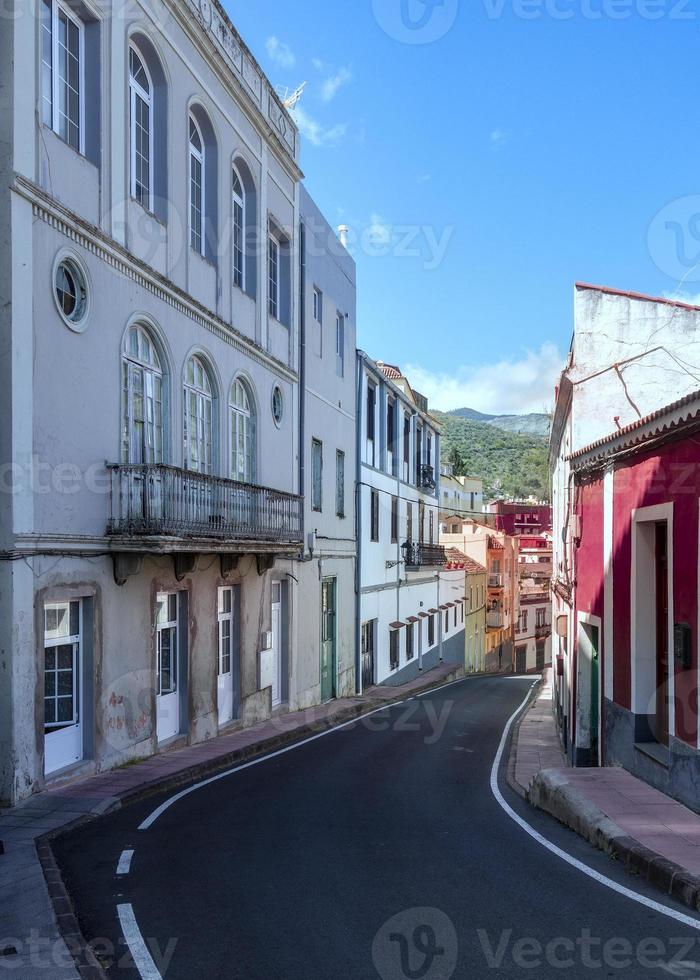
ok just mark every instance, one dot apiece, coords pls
pixel 70 293
pixel 277 405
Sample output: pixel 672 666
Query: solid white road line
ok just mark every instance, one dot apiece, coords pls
pixel 137 947
pixel 124 863
pixel 151 819
pixel 687 920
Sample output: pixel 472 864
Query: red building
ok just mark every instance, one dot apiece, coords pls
pixel 515 517
pixel 632 582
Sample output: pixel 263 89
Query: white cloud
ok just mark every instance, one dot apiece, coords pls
pixel 507 387
pixel 330 87
pixel 316 133
pixel 499 136
pixel 318 64
pixel 424 178
pixel 280 53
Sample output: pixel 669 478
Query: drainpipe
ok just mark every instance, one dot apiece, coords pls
pixel 358 524
pixel 302 377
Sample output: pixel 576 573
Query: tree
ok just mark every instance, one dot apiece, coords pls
pixel 456 461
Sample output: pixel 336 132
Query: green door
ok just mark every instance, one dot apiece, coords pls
pixel 328 631
pixel 595 695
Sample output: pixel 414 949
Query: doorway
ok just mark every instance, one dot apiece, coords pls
pixel 63 690
pixel 276 621
pixel 328 639
pixel 659 721
pixel 167 673
pixel 228 692
pixel 588 692
pixel 368 631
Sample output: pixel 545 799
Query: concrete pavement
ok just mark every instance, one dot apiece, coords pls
pixel 651 834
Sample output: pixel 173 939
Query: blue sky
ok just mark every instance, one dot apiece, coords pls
pixel 485 171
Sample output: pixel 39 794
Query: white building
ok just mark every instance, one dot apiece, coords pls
pixel 327 631
pixel 411 611
pixel 149 315
pixel 460 497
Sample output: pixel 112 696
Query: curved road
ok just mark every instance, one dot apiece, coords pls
pixel 377 850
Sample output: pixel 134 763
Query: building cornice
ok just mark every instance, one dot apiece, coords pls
pixel 94 240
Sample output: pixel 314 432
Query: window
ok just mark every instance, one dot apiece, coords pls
pixel 340 483
pixel 70 292
pixel 166 629
pixel 196 163
pixel 371 403
pixel 316 475
pixel 406 445
pixel 429 450
pixel 199 416
pixel 141 130
pixel 431 631
pixel 447 622
pixel 63 72
pixel 318 306
pixel 394 649
pixel 421 521
pixel 471 597
pixel 374 515
pixel 225 616
pixel 239 226
pixel 409 521
pixel 273 277
pixel 142 396
pixel 409 642
pixel 394 520
pixel 431 527
pixel 340 345
pixel 540 617
pixel 62 629
pixel 455 616
pixel 243 433
pixel 523 621
pixel 277 405
pixel 461 612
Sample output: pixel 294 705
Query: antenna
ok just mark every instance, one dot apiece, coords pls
pixel 290 99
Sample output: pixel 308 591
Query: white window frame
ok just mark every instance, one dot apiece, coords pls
pixel 238 200
pixel 247 418
pixel 132 363
pixel 57 5
pixel 318 306
pixel 225 617
pixel 200 157
pixel 340 345
pixel 273 280
pixel 173 627
pixel 74 640
pixel 339 483
pixel 203 398
pixel 136 90
pixel 317 454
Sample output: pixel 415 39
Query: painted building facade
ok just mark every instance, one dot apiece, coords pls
pixel 410 609
pixel 150 204
pixel 475 593
pixel 626 503
pixel 326 574
pixel 521 517
pixel 533 631
pixel 460 496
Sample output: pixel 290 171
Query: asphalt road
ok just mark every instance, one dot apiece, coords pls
pixel 378 850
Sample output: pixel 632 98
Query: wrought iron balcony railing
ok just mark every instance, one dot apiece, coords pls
pixel 160 500
pixel 543 629
pixel 426 477
pixel 422 555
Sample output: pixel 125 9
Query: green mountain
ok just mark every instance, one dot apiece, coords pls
pixel 511 464
pixel 536 424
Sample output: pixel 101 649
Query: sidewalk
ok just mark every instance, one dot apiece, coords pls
pixel 651 834
pixel 37 925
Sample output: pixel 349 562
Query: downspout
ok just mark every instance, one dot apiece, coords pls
pixel 302 378
pixel 358 524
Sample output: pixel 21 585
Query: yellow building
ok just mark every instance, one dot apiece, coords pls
pixel 475 599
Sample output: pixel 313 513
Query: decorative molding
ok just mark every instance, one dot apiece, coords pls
pixel 95 241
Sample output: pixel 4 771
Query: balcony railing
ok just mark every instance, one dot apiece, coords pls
pixel 165 501
pixel 426 477
pixel 422 555
pixel 543 629
pixel 494 620
pixel 495 581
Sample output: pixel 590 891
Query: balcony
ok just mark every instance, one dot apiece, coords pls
pixel 424 555
pixel 494 619
pixel 426 477
pixel 543 630
pixel 156 501
pixel 495 580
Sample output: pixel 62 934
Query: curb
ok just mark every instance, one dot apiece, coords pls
pixel 513 742
pixel 550 791
pixel 86 964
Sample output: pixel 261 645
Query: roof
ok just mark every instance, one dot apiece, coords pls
pixel 633 434
pixel 627 294
pixel 390 370
pixel 458 557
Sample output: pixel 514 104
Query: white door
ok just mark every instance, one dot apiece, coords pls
pixel 225 653
pixel 276 643
pixel 167 693
pixel 63 730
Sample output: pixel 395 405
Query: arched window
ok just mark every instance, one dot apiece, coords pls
pixel 199 417
pixel 141 125
pixel 243 445
pixel 142 393
pixel 196 156
pixel 239 226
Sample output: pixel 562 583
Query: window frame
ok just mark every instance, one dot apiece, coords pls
pixel 339 345
pixel 410 642
pixel 57 5
pixel 203 398
pixel 318 305
pixel 151 373
pixel 394 649
pixel 225 616
pixel 274 253
pixel 248 419
pixel 137 91
pixel 394 520
pixel 316 477
pixel 239 229
pixel 74 640
pixel 374 516
pixel 340 484
pixel 200 157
